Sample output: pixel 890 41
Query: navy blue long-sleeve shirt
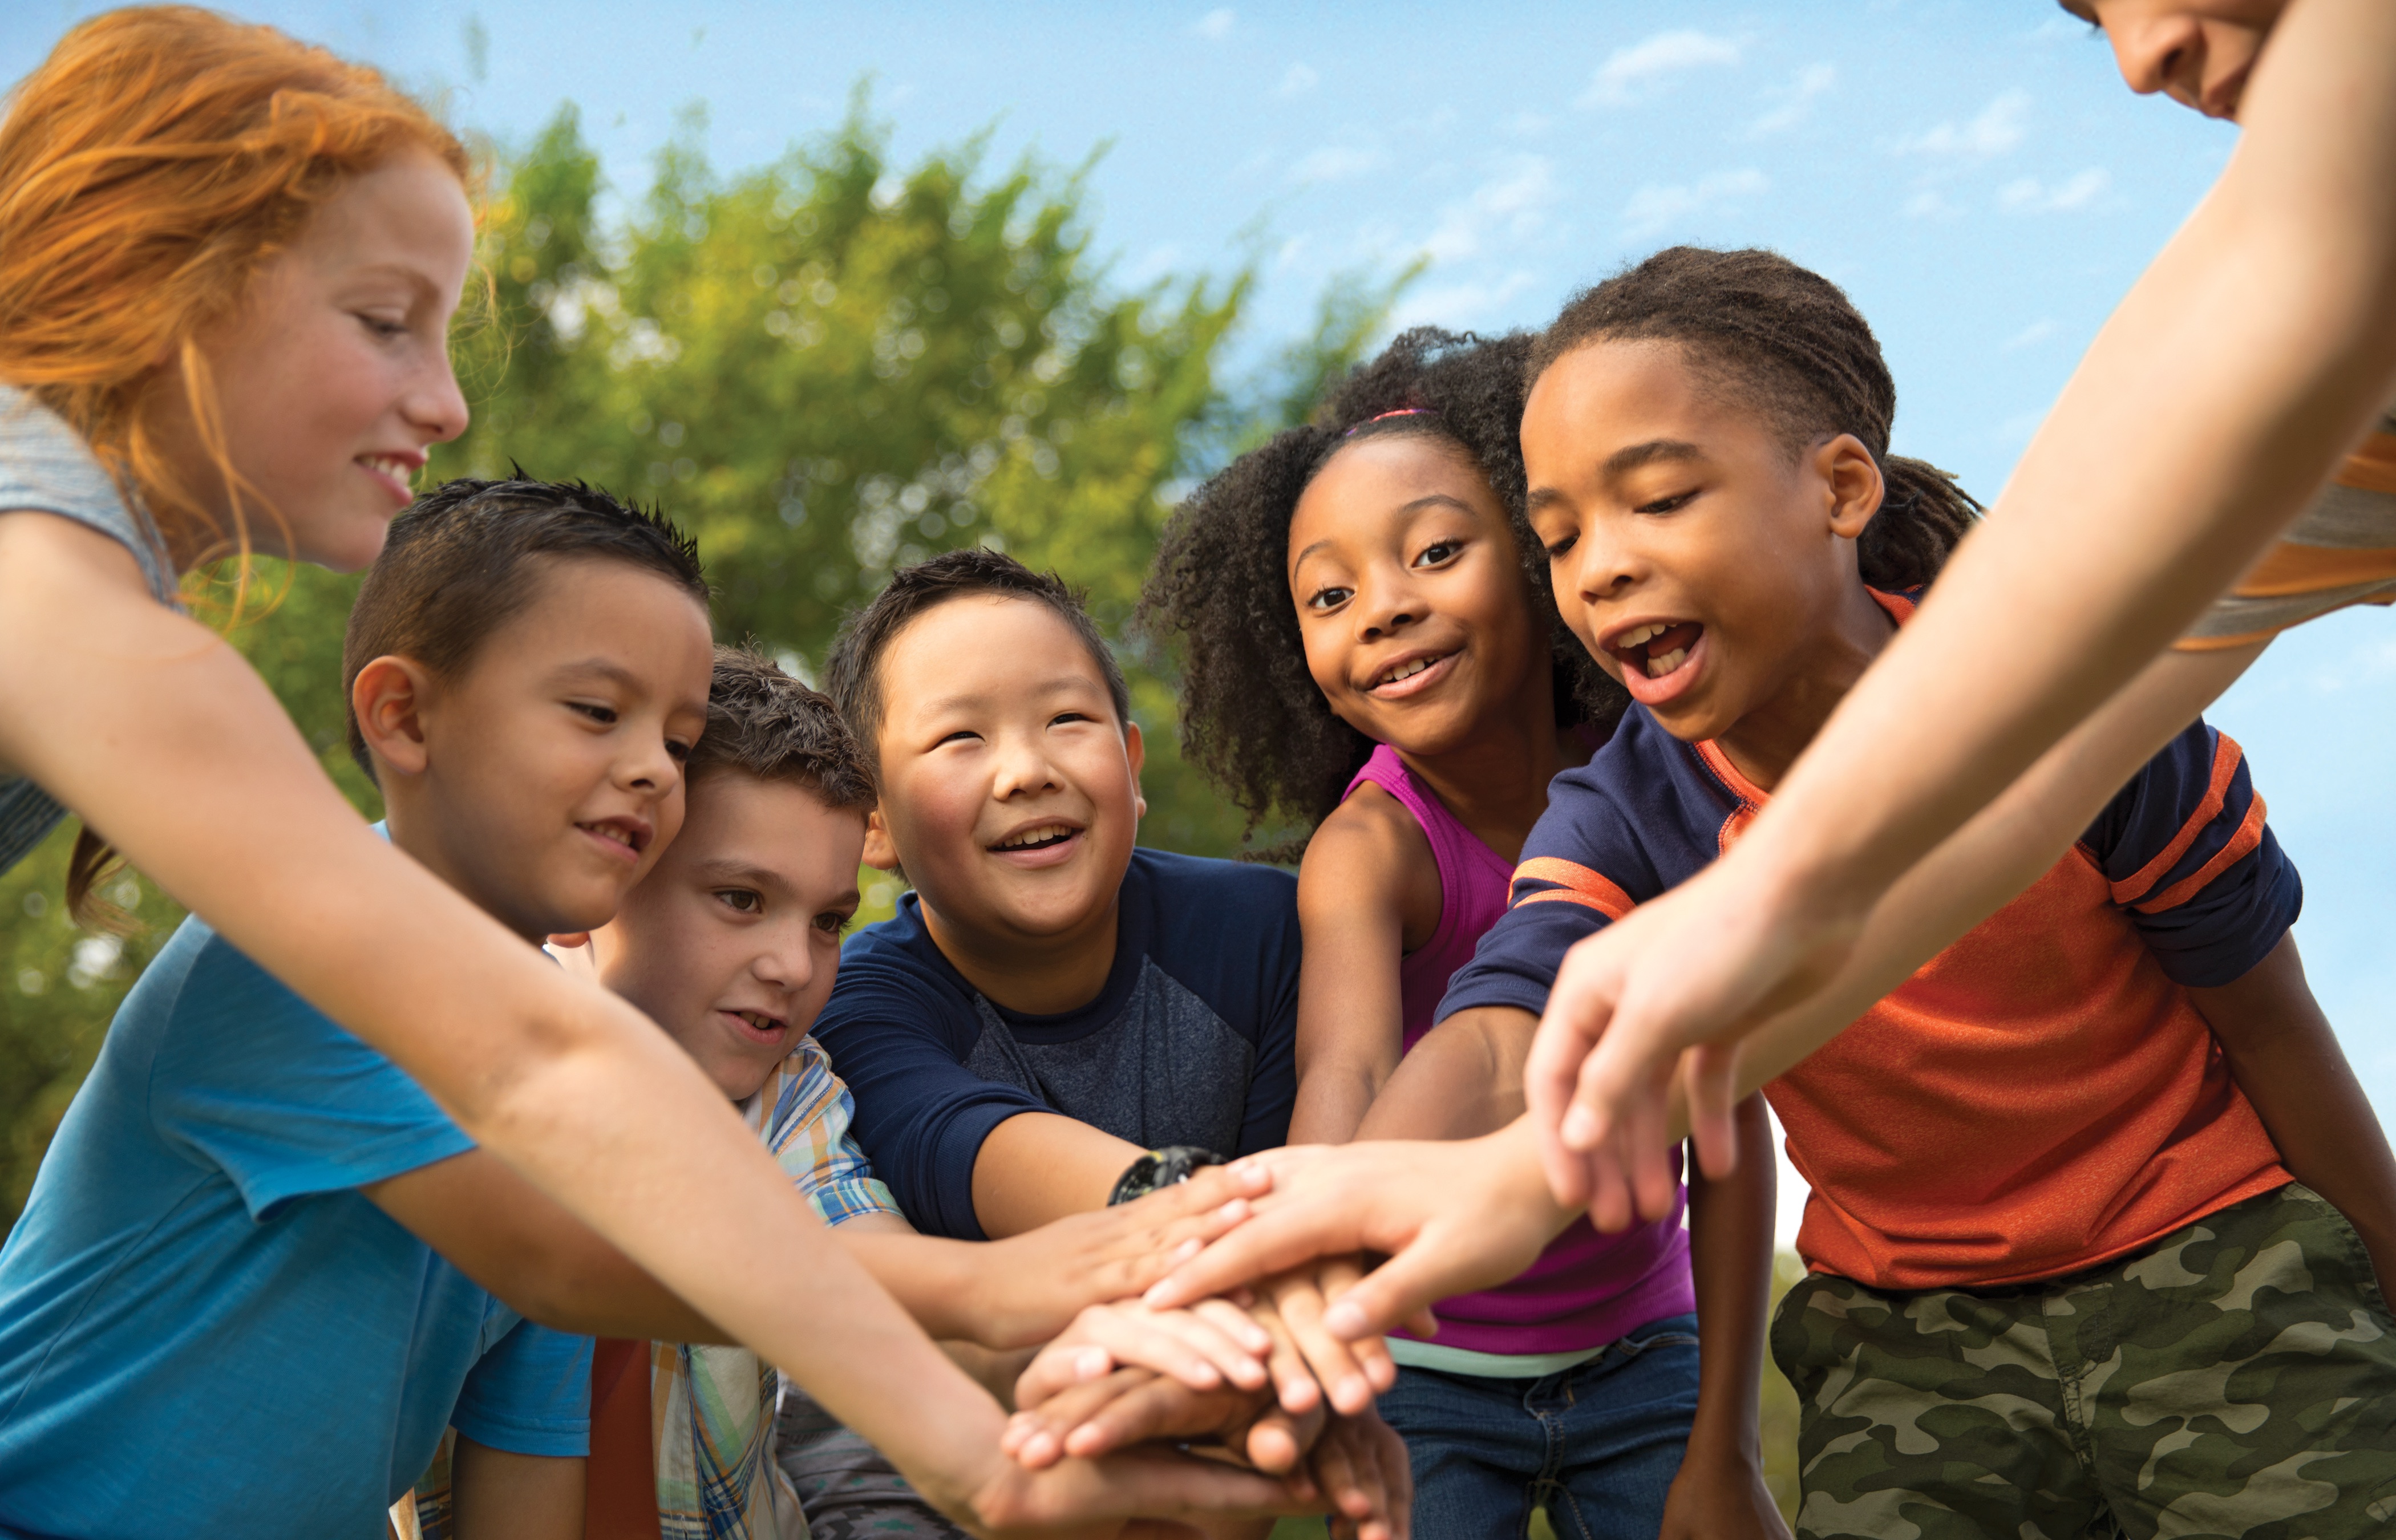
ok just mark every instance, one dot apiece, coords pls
pixel 1191 1042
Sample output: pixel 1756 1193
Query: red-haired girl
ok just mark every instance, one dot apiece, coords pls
pixel 228 264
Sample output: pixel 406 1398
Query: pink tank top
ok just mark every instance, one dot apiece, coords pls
pixel 1586 1290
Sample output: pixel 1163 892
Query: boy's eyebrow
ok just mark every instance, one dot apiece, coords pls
pixel 731 869
pixel 1631 456
pixel 606 668
pixel 1049 686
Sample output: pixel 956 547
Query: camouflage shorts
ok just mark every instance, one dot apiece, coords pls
pixel 2237 1379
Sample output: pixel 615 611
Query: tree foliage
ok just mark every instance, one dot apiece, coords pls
pixel 824 368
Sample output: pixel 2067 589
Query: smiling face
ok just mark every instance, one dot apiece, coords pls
pixel 543 778
pixel 1009 792
pixel 2197 52
pixel 1699 560
pixel 732 941
pixel 333 376
pixel 1413 608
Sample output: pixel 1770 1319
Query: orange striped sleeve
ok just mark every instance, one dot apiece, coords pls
pixel 2249 835
pixel 2370 467
pixel 1574 884
pixel 2226 754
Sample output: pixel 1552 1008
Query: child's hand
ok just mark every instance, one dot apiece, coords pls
pixel 1201 1347
pixel 1308 1361
pixel 1452 1216
pixel 1721 1495
pixel 1132 1406
pixel 1030 1286
pixel 1361 1468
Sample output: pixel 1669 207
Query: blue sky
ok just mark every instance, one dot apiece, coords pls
pixel 1971 170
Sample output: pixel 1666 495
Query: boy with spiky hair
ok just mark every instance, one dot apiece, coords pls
pixel 255 1239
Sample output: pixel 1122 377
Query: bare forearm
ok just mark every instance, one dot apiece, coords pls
pixel 1038 1166
pixel 2285 1057
pixel 1730 1258
pixel 1332 1101
pixel 2210 409
pixel 935 1281
pixel 1464 1079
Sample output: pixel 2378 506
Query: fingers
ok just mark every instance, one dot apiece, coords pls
pixel 1278 1442
pixel 1298 1298
pixel 1335 1277
pixel 1710 1082
pixel 1362 1468
pixel 1401 1290
pixel 1274 1241
pixel 1157 1485
pixel 1613 1163
pixel 1294 1385
pixel 1034 1437
pixel 1202 1347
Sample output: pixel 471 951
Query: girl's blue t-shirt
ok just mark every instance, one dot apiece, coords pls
pixel 205 1329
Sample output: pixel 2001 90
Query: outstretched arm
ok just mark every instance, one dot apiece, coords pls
pixel 2211 409
pixel 2285 1056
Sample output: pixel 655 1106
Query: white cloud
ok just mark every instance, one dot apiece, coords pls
pixel 2028 195
pixel 1514 205
pixel 1931 203
pixel 2031 336
pixel 1299 81
pixel 1335 162
pixel 1999 127
pixel 1629 73
pixel 1793 101
pixel 1216 24
pixel 1657 204
pixel 1463 304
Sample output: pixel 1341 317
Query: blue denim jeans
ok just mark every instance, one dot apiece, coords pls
pixel 1597 1445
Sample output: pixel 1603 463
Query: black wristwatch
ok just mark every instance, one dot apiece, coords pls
pixel 1160 1168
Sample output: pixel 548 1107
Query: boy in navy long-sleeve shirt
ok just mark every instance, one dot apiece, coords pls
pixel 1050 1004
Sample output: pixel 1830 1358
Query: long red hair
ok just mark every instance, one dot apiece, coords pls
pixel 153 163
pixel 147 168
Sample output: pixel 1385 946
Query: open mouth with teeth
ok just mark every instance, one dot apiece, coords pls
pixel 629 841
pixel 758 1024
pixel 1410 674
pixel 1657 648
pixel 1038 837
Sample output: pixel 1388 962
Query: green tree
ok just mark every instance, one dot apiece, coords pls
pixel 824 368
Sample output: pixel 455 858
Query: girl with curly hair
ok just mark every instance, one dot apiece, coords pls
pixel 1372 652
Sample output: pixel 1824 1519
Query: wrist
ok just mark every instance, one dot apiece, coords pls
pixel 1169 1166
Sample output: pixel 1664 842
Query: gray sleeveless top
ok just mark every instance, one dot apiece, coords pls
pixel 44 466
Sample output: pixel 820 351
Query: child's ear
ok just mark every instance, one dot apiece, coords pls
pixel 1853 480
pixel 1135 751
pixel 880 853
pixel 389 697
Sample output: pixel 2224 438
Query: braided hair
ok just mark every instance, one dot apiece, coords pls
pixel 1787 339
pixel 1252 717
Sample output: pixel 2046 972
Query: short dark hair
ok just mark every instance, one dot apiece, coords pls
pixel 1252 717
pixel 853 676
pixel 455 569
pixel 764 724
pixel 1788 340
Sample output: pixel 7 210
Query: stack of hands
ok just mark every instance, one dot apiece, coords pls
pixel 1251 1378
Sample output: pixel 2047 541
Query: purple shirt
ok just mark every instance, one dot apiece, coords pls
pixel 1586 1290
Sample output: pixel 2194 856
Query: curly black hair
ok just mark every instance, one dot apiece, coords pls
pixel 1790 341
pixel 1251 715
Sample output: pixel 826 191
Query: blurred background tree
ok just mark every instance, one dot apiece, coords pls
pixel 824 369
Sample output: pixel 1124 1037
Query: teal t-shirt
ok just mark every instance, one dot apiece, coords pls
pixel 205 1329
